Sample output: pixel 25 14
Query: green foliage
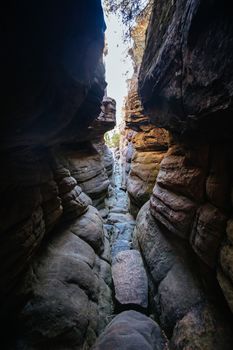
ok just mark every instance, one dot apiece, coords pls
pixel 128 10
pixel 112 139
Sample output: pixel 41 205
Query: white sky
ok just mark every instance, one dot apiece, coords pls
pixel 118 66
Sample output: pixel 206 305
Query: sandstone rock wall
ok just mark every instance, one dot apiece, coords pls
pixel 67 288
pixel 186 77
pixel 184 73
pixel 145 149
pixel 144 146
pixel 55 271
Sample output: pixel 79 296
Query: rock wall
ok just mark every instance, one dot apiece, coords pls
pixel 184 231
pixel 143 145
pixel 186 77
pixel 55 262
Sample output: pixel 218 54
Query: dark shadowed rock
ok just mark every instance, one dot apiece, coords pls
pixel 156 249
pixel 207 233
pixel 202 328
pixel 89 227
pixel 177 293
pixel 186 79
pixel 69 300
pixel 62 48
pixel 225 270
pixel 132 330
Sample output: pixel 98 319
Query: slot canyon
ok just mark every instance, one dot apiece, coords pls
pixel 129 247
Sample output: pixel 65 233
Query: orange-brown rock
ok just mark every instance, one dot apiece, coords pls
pixel 142 176
pixel 183 170
pixel 140 135
pixel 150 139
pixel 146 146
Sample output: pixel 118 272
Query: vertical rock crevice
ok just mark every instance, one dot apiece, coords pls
pixel 64 219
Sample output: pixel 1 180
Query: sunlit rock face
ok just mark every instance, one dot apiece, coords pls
pixel 147 146
pixel 144 146
pixel 185 84
pixel 52 238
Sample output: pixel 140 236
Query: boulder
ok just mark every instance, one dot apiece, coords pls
pixel 132 330
pixel 89 227
pixel 67 296
pixel 130 279
pixel 202 328
pixel 177 293
pixel 156 249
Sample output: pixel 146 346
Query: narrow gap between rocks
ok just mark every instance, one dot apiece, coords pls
pixel 116 216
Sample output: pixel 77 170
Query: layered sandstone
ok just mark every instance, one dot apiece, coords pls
pixel 55 266
pixel 145 144
pixel 182 230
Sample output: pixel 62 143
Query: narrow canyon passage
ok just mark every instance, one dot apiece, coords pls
pixel 116 181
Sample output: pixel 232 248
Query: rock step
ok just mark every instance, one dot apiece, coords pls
pixel 132 330
pixel 130 279
pixel 117 217
pixel 119 246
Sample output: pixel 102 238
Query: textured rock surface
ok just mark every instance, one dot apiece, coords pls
pixel 202 328
pixel 145 145
pixel 186 79
pixel 69 301
pixel 225 271
pixel 174 211
pixel 130 279
pixel 89 227
pixel 183 170
pixel 185 85
pixel 55 286
pixel 87 167
pixel 208 231
pixel 131 331
pixel 55 253
pixel 176 283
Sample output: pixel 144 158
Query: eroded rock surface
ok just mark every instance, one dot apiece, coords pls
pixel 132 330
pixel 183 70
pixel 69 300
pixel 144 146
pixel 177 288
pixel 130 279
